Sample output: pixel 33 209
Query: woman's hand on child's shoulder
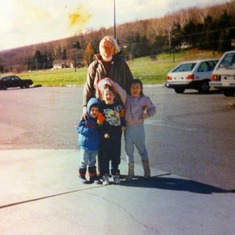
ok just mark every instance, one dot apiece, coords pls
pixel 84 115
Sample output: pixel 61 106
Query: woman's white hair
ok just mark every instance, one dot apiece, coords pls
pixel 113 41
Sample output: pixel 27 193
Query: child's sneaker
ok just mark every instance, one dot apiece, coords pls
pixel 95 179
pixel 105 180
pixel 116 179
pixel 83 180
pixel 98 181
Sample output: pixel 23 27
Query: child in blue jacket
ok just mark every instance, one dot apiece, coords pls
pixel 89 141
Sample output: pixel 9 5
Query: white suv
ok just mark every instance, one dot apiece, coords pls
pixel 194 74
pixel 223 75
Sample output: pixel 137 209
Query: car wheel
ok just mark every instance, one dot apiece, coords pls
pixel 204 87
pixel 179 90
pixel 4 87
pixel 228 92
pixel 26 86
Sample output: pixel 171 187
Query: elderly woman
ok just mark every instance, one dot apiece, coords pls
pixel 106 64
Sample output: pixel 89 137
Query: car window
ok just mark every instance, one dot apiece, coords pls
pixel 184 67
pixel 203 67
pixel 6 79
pixel 211 65
pixel 228 61
pixel 206 66
pixel 14 78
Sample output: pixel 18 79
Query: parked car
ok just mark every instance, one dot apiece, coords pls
pixel 223 75
pixel 194 74
pixel 14 81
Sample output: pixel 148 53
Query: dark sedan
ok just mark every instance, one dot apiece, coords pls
pixel 14 81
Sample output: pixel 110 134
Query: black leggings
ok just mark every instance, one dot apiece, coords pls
pixel 110 150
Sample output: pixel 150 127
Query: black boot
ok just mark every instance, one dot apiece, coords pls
pixel 93 175
pixel 82 175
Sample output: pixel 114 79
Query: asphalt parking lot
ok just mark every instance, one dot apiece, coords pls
pixel 192 186
pixel 191 135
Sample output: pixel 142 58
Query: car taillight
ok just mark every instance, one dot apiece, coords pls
pixel 169 78
pixel 190 76
pixel 215 77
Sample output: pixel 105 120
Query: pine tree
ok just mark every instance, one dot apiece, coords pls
pixel 88 54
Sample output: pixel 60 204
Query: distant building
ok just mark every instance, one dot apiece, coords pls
pixel 59 64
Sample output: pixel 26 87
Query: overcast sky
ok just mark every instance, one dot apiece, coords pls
pixel 26 22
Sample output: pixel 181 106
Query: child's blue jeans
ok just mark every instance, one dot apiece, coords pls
pixel 87 158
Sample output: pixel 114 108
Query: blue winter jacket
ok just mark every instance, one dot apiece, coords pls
pixel 88 133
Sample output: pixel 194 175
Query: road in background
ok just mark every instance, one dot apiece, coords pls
pixel 192 135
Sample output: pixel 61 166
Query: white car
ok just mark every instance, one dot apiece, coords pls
pixel 223 75
pixel 194 74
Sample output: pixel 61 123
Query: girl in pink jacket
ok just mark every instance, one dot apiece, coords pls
pixel 138 107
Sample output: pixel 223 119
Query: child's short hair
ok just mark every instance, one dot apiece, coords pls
pixel 108 87
pixel 138 81
pixel 96 106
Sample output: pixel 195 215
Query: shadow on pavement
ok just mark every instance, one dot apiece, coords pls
pixel 170 183
pixel 36 86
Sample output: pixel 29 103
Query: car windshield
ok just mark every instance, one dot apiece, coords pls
pixel 228 62
pixel 184 67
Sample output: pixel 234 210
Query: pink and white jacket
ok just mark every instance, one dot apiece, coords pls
pixel 135 107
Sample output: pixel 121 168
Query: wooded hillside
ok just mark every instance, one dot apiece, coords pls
pixel 211 28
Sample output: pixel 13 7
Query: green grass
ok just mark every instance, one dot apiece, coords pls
pixel 149 70
pixel 58 77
